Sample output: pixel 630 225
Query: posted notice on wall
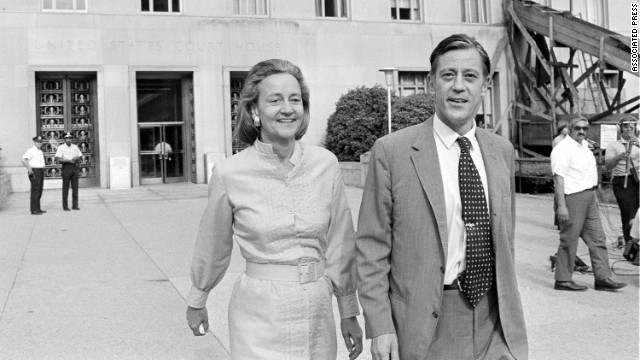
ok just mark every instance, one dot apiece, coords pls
pixel 608 134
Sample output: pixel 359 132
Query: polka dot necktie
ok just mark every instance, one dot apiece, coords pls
pixel 478 277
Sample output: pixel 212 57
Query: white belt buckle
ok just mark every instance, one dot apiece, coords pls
pixel 307 272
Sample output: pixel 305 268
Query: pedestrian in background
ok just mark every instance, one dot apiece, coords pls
pixel 68 154
pixel 33 160
pixel 575 177
pixel 562 130
pixel 285 204
pixel 623 159
pixel 436 227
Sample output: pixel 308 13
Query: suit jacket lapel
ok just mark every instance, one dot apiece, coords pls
pixel 425 160
pixel 495 174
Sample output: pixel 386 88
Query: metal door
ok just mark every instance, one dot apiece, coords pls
pixel 161 153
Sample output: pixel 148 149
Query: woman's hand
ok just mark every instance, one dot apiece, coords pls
pixel 197 317
pixel 352 335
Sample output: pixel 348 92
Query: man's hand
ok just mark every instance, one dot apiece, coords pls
pixel 385 347
pixel 30 170
pixel 563 215
pixel 197 317
pixel 352 335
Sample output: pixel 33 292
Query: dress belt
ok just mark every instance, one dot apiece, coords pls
pixel 453 286
pixel 303 273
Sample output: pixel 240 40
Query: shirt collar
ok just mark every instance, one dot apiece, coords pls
pixel 267 149
pixel 449 137
pixel 581 144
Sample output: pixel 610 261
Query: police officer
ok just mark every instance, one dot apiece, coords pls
pixel 33 160
pixel 623 159
pixel 68 154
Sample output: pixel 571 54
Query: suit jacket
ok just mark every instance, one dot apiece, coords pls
pixel 402 239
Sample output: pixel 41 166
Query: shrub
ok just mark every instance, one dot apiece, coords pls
pixel 412 110
pixel 361 118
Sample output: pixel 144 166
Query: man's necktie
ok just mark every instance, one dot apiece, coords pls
pixel 480 260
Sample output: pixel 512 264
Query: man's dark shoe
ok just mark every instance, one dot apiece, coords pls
pixel 42 211
pixel 569 286
pixel 608 285
pixel 67 209
pixel 76 208
pixel 36 213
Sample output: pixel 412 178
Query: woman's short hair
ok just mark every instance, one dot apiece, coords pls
pixel 246 132
pixel 460 42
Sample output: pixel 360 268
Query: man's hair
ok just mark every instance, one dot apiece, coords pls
pixel 246 131
pixel 460 42
pixel 574 119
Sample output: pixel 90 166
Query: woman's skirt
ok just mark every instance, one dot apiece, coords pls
pixel 281 320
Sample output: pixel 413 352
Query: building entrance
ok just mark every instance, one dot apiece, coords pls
pixel 66 103
pixel 166 128
pixel 161 154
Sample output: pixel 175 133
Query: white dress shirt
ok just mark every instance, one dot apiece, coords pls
pixel 68 152
pixel 576 164
pixel 35 157
pixel 448 157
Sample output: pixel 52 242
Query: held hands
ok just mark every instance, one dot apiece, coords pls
pixel 352 335
pixel 385 347
pixel 197 317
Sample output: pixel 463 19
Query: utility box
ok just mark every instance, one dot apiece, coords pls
pixel 120 172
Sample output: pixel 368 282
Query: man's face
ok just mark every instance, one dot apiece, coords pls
pixel 628 130
pixel 459 85
pixel 67 141
pixel 38 144
pixel 579 130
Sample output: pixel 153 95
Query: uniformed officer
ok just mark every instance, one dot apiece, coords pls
pixel 33 160
pixel 68 154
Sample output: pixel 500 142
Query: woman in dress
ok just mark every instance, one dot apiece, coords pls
pixel 284 203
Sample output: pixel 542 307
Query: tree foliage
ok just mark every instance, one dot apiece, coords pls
pixel 361 118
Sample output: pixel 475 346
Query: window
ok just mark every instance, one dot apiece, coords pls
pixel 412 82
pixel 474 11
pixel 168 6
pixel 331 8
pixel 250 7
pixel 65 5
pixel 405 10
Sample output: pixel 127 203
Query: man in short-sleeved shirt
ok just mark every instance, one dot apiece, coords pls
pixel 33 160
pixel 69 154
pixel 621 158
pixel 576 176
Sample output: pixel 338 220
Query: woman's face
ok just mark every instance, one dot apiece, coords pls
pixel 279 107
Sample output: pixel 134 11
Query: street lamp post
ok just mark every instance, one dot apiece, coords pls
pixel 388 78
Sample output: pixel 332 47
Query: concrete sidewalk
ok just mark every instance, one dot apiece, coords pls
pixel 109 281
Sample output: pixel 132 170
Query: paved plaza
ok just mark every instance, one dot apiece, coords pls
pixel 110 281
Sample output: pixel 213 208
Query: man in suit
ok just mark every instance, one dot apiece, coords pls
pixel 418 240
